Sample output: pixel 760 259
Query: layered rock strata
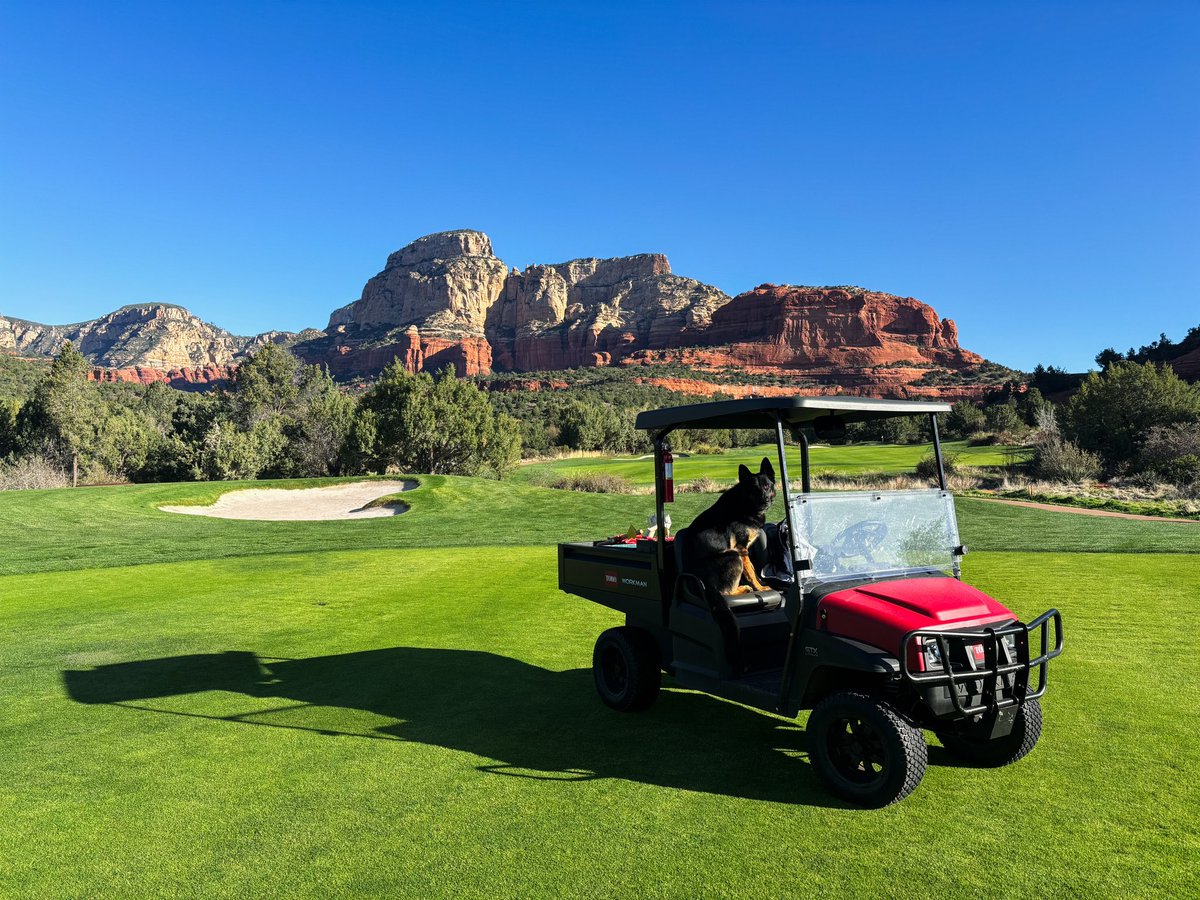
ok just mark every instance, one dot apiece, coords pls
pixel 157 336
pixel 446 300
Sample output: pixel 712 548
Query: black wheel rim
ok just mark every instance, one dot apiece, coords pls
pixel 614 670
pixel 856 751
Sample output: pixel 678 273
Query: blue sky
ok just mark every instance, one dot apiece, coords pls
pixel 1029 169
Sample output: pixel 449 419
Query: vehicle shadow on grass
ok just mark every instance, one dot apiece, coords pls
pixel 533 722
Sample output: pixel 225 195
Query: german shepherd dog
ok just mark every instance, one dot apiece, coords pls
pixel 716 546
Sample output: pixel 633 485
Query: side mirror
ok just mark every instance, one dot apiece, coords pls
pixel 829 428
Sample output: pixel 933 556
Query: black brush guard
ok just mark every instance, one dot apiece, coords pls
pixel 998 665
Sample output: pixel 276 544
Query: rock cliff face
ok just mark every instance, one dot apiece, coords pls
pixel 188 378
pixel 593 312
pixel 845 327
pixel 447 300
pixel 428 308
pixel 150 335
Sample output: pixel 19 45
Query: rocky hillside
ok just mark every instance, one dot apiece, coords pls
pixel 142 342
pixel 447 300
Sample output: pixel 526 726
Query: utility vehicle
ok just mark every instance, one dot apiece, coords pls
pixel 867 623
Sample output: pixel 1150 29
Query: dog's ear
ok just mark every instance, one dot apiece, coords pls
pixel 744 474
pixel 767 469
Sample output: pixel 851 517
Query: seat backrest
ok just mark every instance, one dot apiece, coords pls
pixel 677 544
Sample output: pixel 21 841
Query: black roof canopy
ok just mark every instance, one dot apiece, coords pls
pixel 760 412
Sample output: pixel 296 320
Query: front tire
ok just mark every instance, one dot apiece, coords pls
pixel 864 750
pixel 1001 751
pixel 626 667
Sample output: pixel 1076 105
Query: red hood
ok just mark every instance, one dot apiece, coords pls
pixel 881 613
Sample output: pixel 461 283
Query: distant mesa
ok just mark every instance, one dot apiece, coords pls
pixel 446 299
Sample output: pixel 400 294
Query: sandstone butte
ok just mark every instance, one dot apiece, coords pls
pixel 447 300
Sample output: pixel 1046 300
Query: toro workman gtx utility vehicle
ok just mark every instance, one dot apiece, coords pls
pixel 866 621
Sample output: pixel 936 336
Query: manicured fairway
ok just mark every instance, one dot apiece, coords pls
pixel 403 707
pixel 889 458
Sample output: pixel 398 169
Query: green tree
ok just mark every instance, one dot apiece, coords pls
pixel 229 452
pixel 65 413
pixel 1003 418
pixel 963 420
pixel 439 425
pixel 1030 404
pixel 320 422
pixel 902 430
pixel 124 441
pixel 266 384
pixel 10 440
pixel 1114 410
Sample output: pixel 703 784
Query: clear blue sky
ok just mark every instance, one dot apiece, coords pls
pixel 1029 169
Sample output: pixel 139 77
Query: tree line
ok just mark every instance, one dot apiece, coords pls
pixel 278 418
pixel 281 418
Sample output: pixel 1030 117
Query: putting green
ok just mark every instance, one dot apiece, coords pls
pixel 300 718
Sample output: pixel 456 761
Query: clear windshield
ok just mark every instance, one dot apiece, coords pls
pixel 855 533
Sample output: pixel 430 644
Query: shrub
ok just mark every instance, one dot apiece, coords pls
pixel 593 483
pixel 1183 470
pixel 1168 450
pixel 703 485
pixel 983 439
pixel 963 480
pixel 30 472
pixel 1059 460
pixel 927 467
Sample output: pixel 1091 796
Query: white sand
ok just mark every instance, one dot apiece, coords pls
pixel 339 501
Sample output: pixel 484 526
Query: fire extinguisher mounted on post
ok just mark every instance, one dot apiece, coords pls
pixel 668 475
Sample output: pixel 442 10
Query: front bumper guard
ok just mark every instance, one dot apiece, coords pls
pixel 999 669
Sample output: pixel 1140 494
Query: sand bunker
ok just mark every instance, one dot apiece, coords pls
pixel 339 501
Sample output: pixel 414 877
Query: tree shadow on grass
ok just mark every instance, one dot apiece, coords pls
pixel 533 722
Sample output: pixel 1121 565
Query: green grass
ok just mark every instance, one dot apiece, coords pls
pixel 113 526
pixel 886 458
pixel 1167 508
pixel 402 706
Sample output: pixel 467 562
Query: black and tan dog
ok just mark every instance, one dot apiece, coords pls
pixel 716 546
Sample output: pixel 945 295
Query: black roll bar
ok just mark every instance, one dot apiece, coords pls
pixel 660 438
pixel 937 451
pixel 805 472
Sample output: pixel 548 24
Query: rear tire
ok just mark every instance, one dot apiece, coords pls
pixel 626 667
pixel 864 750
pixel 1001 751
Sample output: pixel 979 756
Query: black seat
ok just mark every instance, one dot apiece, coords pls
pixel 756 601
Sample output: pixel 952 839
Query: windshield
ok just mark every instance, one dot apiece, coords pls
pixel 854 533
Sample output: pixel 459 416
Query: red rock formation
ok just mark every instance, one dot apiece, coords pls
pixel 802 327
pixel 468 355
pixel 185 378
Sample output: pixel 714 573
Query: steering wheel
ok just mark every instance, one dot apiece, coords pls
pixel 858 540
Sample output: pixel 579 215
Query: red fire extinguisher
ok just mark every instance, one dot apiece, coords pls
pixel 668 477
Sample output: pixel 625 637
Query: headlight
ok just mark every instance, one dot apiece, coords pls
pixel 1010 644
pixel 933 654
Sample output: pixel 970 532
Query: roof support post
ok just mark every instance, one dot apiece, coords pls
pixel 805 471
pixel 787 487
pixel 937 451
pixel 659 440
